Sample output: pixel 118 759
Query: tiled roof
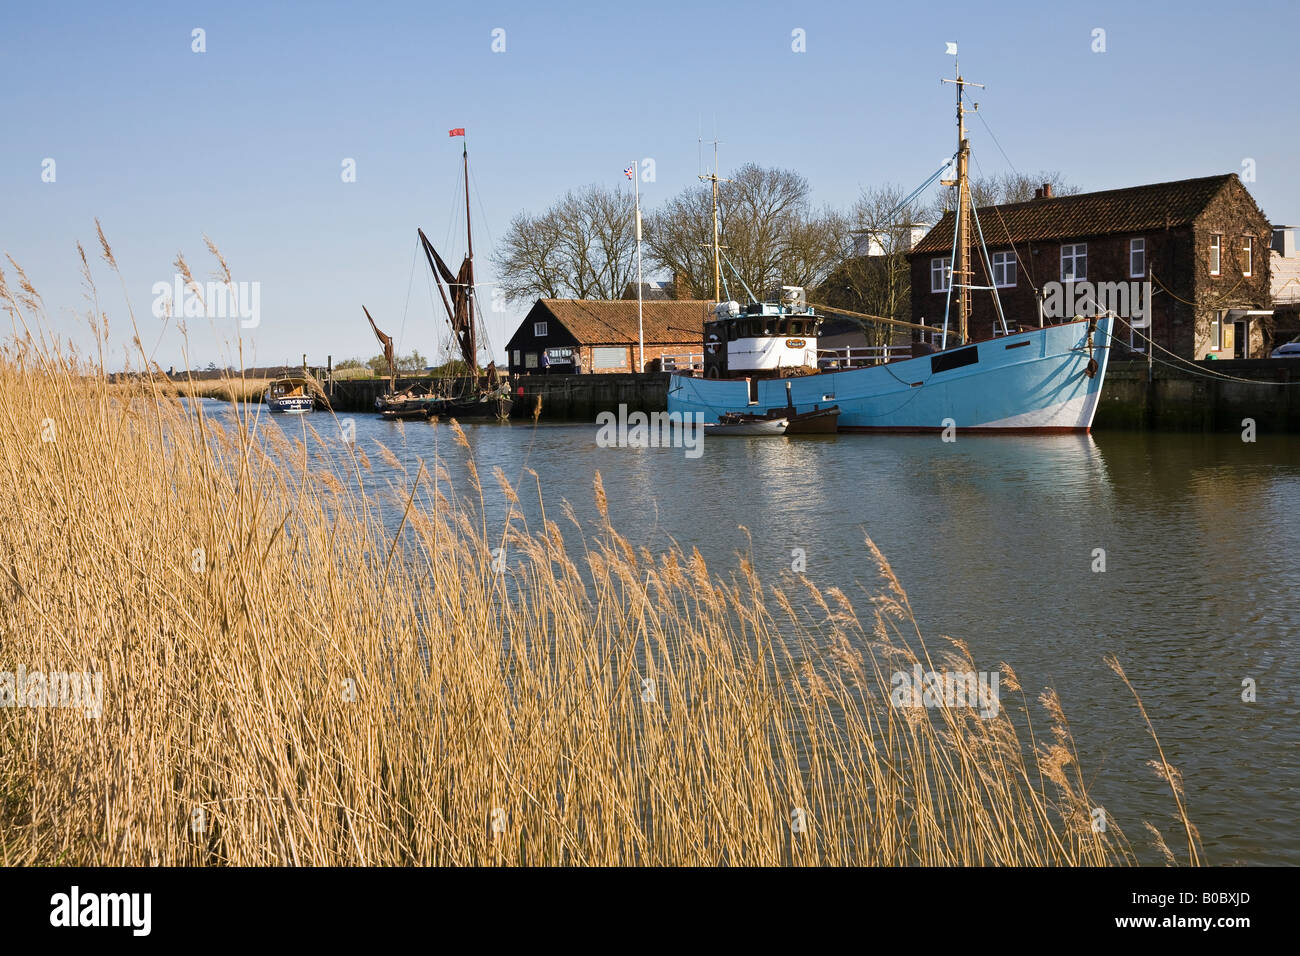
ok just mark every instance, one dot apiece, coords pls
pixel 1133 209
pixel 1286 279
pixel 614 322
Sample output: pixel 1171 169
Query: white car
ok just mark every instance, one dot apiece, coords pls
pixel 1288 349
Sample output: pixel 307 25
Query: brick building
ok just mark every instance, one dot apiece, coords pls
pixel 1284 262
pixel 602 336
pixel 1203 244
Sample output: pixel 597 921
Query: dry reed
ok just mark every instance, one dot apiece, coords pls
pixel 289 679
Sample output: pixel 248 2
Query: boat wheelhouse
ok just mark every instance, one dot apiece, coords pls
pixel 762 339
pixel 290 395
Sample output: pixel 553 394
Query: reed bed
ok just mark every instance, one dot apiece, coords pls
pixel 289 678
pixel 228 389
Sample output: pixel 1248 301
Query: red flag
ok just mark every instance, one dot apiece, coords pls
pixel 458 131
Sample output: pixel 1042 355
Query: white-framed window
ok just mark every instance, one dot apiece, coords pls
pixel 933 338
pixel 941 274
pixel 1004 269
pixel 1137 258
pixel 1216 332
pixel 1248 256
pixel 1216 256
pixel 1074 262
pixel 1135 341
pixel 539 330
pixel 514 358
pixel 530 360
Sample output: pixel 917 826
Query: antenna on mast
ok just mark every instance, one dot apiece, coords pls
pixel 717 264
pixel 699 143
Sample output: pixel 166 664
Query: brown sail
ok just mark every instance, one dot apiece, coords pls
pixel 456 289
pixel 387 342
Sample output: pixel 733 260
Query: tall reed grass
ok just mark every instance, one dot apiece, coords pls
pixel 289 678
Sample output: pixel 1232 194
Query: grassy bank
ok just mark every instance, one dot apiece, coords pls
pixel 286 681
pixel 224 389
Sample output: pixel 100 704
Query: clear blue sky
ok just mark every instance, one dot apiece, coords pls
pixel 245 141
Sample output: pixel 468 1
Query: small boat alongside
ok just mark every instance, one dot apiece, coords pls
pixel 747 426
pixel 403 408
pixel 817 421
pixel 410 403
pixel 291 395
pixel 493 405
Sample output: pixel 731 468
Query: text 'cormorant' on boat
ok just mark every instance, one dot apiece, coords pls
pixel 468 392
pixel 761 360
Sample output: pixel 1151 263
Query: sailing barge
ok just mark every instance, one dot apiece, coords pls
pixel 478 394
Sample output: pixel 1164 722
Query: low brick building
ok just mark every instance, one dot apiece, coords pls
pixel 560 336
pixel 1202 244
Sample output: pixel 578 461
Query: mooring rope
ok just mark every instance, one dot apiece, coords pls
pixel 1191 366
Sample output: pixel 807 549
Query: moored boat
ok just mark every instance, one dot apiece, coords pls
pixel 290 395
pixel 1028 379
pixel 750 426
pixel 1042 380
pixel 494 405
pixel 474 392
pixel 819 421
pixel 815 421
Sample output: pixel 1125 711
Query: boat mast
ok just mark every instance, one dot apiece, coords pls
pixel 640 320
pixel 469 244
pixel 717 256
pixel 961 273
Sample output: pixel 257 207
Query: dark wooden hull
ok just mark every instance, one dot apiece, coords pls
pixel 496 409
pixel 823 421
pixel 410 411
pixel 493 409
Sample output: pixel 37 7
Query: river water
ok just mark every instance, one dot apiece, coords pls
pixel 996 540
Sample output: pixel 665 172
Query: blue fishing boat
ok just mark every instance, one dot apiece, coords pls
pixel 1043 380
pixel 762 359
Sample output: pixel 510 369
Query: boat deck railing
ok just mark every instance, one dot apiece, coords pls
pixel 851 357
pixel 684 361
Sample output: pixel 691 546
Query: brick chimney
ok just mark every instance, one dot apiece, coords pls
pixel 1047 190
pixel 682 288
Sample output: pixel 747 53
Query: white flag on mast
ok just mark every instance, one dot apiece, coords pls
pixel 952 48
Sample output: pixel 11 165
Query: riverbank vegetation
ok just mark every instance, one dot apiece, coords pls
pixel 299 667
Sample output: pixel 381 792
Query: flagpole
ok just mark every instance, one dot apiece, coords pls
pixel 640 325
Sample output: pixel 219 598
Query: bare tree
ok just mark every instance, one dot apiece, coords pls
pixel 877 279
pixel 581 248
pixel 772 235
pixel 679 238
pixel 1002 188
pixel 528 259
